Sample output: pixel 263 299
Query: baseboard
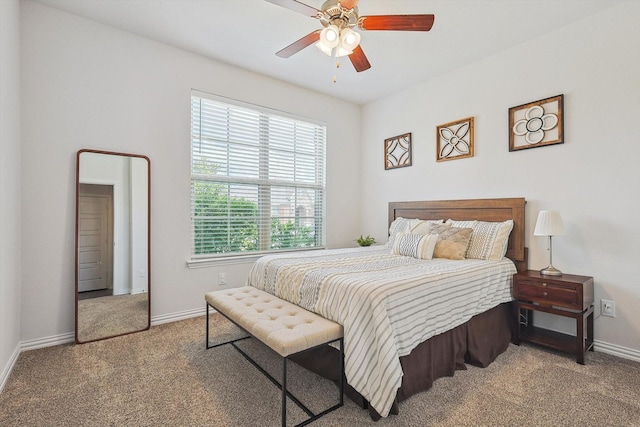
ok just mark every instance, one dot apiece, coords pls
pixel 9 367
pixel 48 341
pixel 174 317
pixel 616 350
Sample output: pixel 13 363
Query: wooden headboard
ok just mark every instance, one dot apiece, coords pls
pixel 481 209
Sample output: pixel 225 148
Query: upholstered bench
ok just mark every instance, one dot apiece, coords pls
pixel 282 326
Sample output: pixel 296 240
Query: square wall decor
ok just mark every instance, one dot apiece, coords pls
pixel 454 140
pixel 536 124
pixel 397 151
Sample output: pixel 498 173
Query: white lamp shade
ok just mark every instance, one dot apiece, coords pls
pixel 349 39
pixel 324 49
pixel 549 223
pixel 342 52
pixel 330 36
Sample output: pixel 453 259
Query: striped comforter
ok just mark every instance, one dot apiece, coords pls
pixel 387 304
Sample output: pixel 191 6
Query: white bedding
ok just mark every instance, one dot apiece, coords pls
pixel 388 304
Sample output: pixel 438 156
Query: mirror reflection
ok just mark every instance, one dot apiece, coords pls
pixel 112 244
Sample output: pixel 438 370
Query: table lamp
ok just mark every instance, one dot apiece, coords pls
pixel 549 224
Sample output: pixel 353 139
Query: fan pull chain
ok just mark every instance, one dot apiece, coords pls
pixel 334 55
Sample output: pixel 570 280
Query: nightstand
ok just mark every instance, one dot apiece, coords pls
pixel 567 295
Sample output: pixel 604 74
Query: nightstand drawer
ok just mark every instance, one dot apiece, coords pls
pixel 547 293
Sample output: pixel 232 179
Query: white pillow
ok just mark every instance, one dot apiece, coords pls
pixel 419 246
pixel 489 240
pixel 399 225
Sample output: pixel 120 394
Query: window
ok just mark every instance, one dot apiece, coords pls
pixel 257 179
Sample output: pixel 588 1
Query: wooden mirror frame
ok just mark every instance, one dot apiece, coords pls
pixel 79 339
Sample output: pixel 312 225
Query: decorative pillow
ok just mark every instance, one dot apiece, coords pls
pixel 463 224
pixel 489 240
pixel 419 246
pixel 423 226
pixel 452 242
pixel 439 228
pixel 399 225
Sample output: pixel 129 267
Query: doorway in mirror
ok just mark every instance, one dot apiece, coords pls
pixel 95 240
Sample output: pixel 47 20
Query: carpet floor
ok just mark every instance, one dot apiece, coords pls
pixel 112 315
pixel 165 377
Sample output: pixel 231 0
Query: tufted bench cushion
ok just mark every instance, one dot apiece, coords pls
pixel 281 325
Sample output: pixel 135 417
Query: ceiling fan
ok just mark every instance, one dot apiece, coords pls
pixel 337 38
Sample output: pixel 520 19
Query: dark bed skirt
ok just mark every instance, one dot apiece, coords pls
pixel 478 342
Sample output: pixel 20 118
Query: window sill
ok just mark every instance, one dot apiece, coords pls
pixel 238 259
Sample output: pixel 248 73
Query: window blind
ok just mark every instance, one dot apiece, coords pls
pixel 257 179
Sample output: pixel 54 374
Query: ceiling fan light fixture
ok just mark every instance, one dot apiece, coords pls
pixel 324 48
pixel 349 39
pixel 330 36
pixel 341 51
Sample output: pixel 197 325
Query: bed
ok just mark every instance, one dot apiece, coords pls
pixel 407 320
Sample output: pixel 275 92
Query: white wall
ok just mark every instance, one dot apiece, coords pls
pixel 9 185
pixel 593 179
pixel 85 85
pixel 139 224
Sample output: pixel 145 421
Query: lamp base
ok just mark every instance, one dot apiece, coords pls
pixel 551 271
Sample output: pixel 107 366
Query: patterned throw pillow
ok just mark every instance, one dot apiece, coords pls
pixel 489 240
pixel 452 241
pixel 438 228
pixel 419 246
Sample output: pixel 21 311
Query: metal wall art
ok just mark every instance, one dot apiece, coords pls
pixel 397 151
pixel 454 140
pixel 536 124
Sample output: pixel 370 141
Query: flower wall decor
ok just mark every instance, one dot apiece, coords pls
pixel 536 124
pixel 397 151
pixel 454 140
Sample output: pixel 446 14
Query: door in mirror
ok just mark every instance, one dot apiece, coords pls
pixel 112 244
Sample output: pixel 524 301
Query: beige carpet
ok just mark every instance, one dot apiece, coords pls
pixel 165 377
pixel 112 315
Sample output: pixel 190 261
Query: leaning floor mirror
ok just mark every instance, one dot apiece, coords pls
pixel 112 244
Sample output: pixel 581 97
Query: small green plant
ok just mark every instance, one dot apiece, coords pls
pixel 366 241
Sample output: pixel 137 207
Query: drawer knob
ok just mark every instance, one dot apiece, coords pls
pixel 545 294
pixel 544 284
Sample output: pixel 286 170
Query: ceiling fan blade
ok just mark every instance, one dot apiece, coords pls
pixel 348 4
pixel 297 6
pixel 298 45
pixel 359 60
pixel 396 22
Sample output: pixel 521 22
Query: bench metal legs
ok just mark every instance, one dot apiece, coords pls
pixel 283 385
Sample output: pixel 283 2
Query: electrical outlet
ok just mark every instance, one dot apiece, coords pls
pixel 607 308
pixel 222 279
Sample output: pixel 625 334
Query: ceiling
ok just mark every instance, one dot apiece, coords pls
pixel 247 33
